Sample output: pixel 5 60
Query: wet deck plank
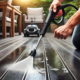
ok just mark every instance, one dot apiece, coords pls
pixel 68 53
pixel 12 57
pixel 56 68
pixel 55 49
pixel 22 69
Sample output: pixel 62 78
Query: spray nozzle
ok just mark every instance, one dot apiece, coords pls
pixel 33 53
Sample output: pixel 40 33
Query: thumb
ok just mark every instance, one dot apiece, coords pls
pixel 51 7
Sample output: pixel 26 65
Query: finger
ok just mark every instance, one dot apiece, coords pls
pixel 58 35
pixel 64 36
pixel 61 36
pixel 56 16
pixel 60 13
pixel 55 8
pixel 54 33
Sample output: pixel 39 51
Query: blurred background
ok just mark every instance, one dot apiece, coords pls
pixel 45 4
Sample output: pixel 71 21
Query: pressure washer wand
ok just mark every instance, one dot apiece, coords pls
pixel 50 18
pixel 47 22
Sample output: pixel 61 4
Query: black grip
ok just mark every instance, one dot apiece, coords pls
pixel 50 18
pixel 51 15
pixel 47 22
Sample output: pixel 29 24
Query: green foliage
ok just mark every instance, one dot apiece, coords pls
pixel 69 11
pixel 47 0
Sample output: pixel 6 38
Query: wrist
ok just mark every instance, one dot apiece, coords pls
pixel 70 26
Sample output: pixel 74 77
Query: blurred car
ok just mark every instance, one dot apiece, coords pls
pixel 31 29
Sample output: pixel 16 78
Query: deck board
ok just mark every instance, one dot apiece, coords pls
pixel 67 53
pixel 55 58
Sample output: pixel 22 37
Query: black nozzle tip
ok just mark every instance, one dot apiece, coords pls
pixel 33 53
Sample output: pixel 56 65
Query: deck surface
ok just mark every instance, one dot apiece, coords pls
pixel 55 59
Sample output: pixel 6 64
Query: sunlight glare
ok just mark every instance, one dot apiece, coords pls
pixel 24 1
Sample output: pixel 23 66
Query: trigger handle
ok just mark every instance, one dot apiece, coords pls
pixel 62 17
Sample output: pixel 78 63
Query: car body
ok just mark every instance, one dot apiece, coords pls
pixel 31 29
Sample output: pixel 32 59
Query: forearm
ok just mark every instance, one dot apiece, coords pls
pixel 74 20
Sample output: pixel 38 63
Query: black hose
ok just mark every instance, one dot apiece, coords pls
pixel 51 15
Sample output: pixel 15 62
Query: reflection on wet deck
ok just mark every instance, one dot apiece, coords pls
pixel 55 59
pixel 10 59
pixel 55 67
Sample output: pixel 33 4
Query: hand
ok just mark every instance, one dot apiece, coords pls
pixel 60 13
pixel 54 5
pixel 63 32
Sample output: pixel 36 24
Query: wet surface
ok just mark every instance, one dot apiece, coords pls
pixel 18 70
pixel 56 69
pixel 37 72
pixel 6 51
pixel 6 44
pixel 13 57
pixel 34 75
pixel 54 60
pixel 9 60
pixel 69 54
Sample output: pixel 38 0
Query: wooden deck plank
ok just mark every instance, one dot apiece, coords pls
pixel 55 65
pixel 67 55
pixel 12 58
pixel 58 54
pixel 14 75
